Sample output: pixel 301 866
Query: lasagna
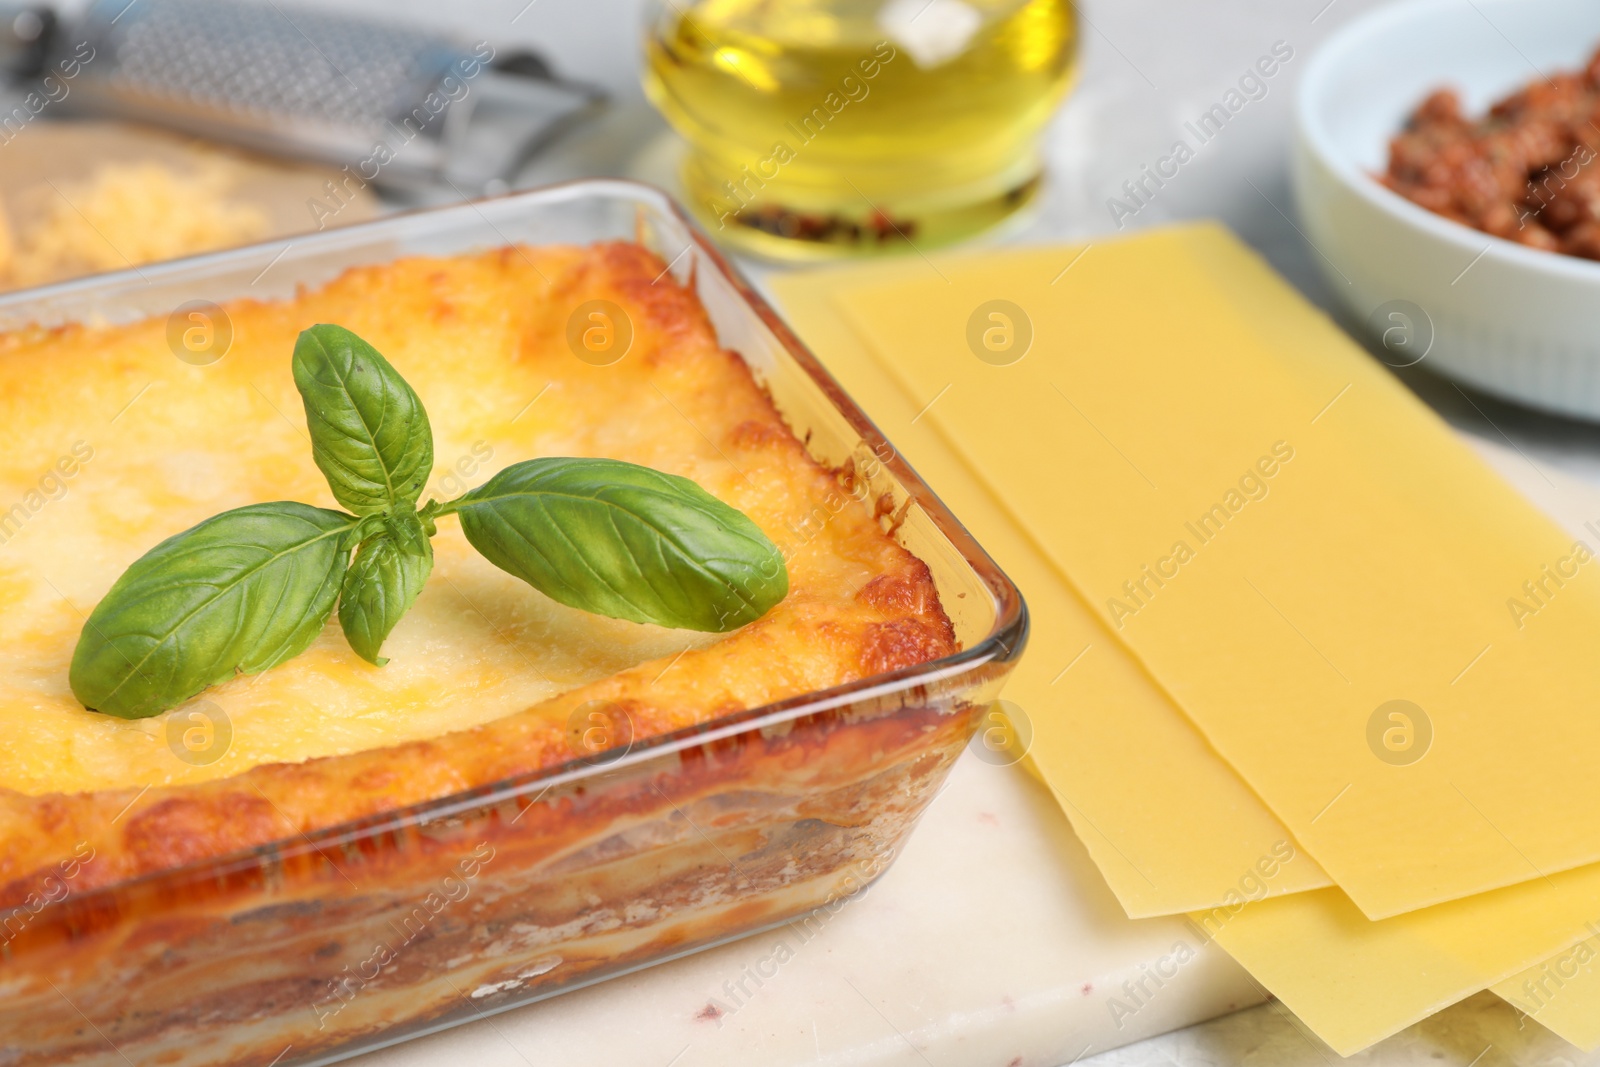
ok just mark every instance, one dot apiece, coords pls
pixel 175 877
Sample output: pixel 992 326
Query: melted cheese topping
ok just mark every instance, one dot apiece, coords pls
pixel 109 443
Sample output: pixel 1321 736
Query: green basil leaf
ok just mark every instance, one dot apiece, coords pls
pixel 241 592
pixel 369 432
pixel 626 541
pixel 381 586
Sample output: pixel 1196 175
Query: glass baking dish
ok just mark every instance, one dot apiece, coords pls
pixel 318 947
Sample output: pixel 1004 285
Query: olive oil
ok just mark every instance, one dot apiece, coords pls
pixel 828 127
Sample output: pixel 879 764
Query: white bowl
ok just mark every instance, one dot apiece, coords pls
pixel 1511 320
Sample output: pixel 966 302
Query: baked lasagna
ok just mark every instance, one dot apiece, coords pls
pixel 109 443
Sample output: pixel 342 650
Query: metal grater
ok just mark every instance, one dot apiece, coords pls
pixel 400 107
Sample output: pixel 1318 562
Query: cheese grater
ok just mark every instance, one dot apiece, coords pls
pixel 397 106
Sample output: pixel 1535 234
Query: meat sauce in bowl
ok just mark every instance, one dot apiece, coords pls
pixel 1526 171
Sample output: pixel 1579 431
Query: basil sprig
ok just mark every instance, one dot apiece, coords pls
pixel 245 590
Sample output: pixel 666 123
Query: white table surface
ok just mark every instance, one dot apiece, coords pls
pixel 1147 65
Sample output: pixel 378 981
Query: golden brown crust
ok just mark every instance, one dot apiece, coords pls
pixel 829 631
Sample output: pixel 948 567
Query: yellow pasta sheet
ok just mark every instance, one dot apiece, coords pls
pixel 1153 832
pixel 1288 541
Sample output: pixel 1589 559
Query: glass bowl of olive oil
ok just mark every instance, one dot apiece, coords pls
pixel 825 128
